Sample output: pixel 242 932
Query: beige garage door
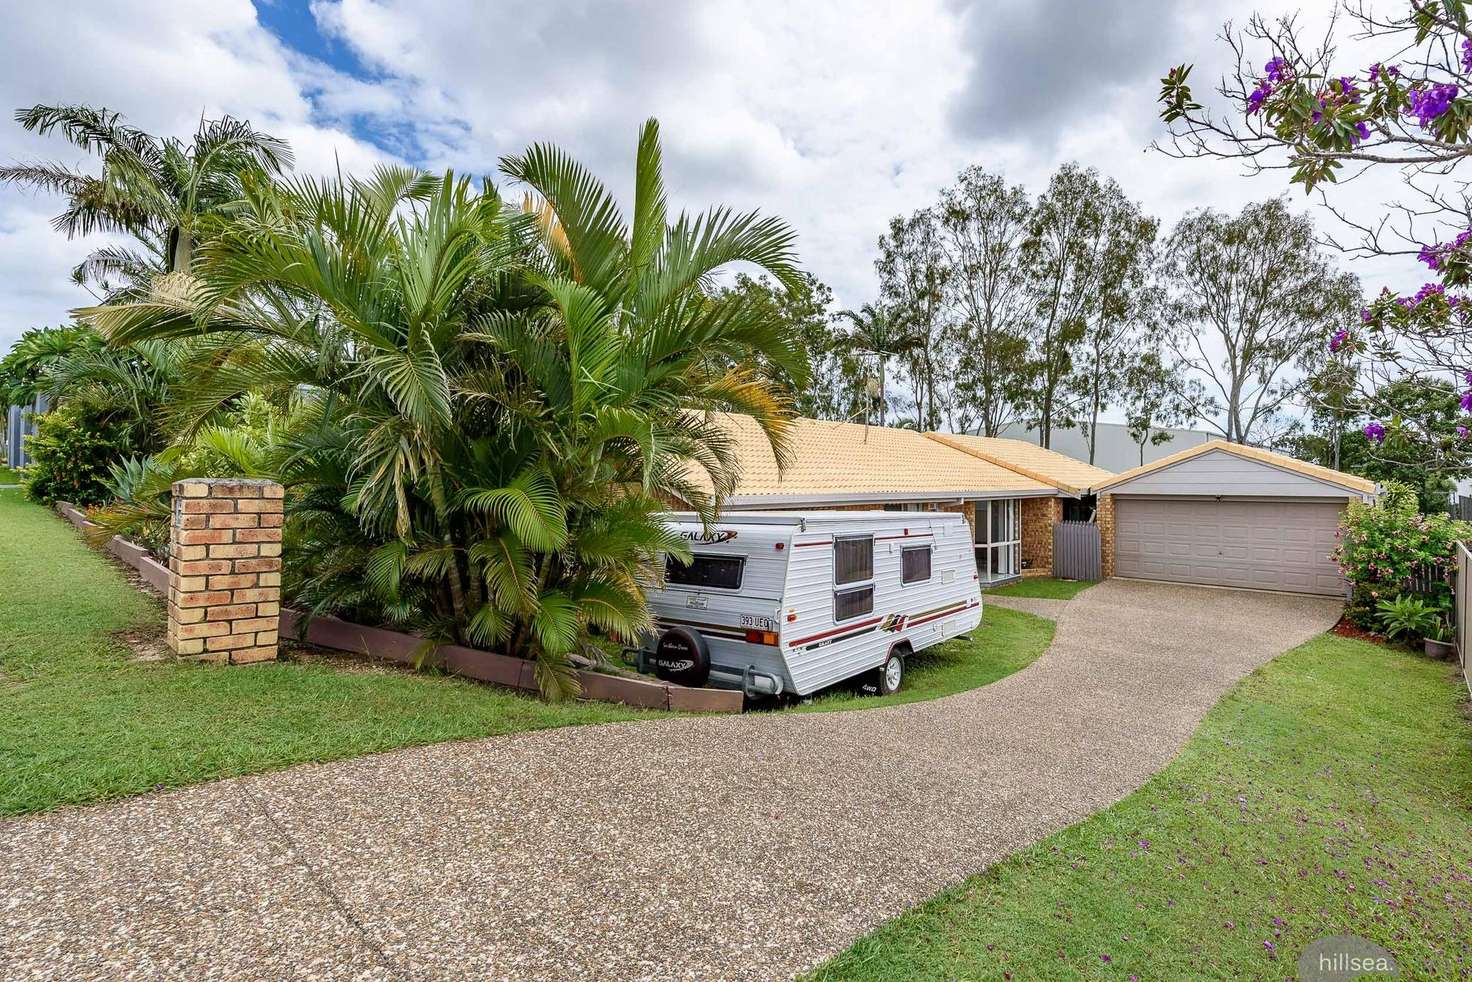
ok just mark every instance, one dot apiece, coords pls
pixel 1259 545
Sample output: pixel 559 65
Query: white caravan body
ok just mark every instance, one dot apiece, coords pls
pixel 793 602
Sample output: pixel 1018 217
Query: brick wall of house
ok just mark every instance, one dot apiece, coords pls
pixel 968 509
pixel 1105 518
pixel 225 570
pixel 1039 515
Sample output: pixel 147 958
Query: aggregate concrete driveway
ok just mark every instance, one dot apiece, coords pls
pixel 714 848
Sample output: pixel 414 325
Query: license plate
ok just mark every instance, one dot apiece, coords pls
pixel 760 623
pixel 696 601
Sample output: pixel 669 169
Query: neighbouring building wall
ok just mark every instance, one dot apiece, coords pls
pixel 1105 519
pixel 1116 450
pixel 1039 515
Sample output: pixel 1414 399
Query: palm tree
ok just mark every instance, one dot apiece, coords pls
pixel 159 190
pixel 495 402
pixel 884 335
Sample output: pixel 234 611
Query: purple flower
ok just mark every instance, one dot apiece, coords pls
pixel 1270 946
pixel 1361 133
pixel 1467 401
pixel 1258 96
pixel 1374 73
pixel 1337 341
pixel 1278 69
pixel 1467 377
pixel 1375 432
pixel 1461 432
pixel 1348 90
pixel 1467 56
pixel 1364 315
pixel 1427 104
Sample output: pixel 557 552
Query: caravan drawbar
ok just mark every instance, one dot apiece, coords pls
pixel 793 602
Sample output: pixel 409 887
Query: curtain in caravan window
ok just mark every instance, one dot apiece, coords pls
pixel 853 559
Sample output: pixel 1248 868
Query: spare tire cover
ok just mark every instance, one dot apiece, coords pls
pixel 682 656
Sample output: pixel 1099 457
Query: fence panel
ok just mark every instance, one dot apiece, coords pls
pixel 1076 551
pixel 1461 608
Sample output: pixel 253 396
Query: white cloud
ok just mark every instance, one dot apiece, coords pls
pixel 835 115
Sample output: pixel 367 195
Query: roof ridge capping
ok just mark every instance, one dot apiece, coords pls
pixel 1272 458
pixel 962 443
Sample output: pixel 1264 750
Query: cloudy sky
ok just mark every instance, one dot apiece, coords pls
pixel 836 116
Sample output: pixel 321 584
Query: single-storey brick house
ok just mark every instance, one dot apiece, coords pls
pixel 1012 493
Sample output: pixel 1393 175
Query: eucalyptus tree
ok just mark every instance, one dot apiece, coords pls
pixel 1086 248
pixel 163 192
pixel 984 224
pixel 496 401
pixel 912 272
pixel 884 334
pixel 1251 299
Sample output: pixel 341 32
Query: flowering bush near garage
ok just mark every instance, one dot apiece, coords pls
pixel 1390 549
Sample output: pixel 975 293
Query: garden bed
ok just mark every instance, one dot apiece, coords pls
pixel 407 649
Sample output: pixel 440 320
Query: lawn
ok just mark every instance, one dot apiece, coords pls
pixel 1006 641
pixel 82 723
pixel 9 476
pixel 1329 793
pixel 1043 588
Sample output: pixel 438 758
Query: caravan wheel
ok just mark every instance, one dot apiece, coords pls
pixel 891 673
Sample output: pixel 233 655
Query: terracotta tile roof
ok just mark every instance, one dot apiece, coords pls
pixel 1029 459
pixel 1315 471
pixel 851 462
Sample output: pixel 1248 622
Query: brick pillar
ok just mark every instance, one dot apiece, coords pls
pixel 1105 518
pixel 225 570
pixel 1039 515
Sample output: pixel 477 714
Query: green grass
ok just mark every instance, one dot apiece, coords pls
pixel 80 723
pixel 9 476
pixel 1006 641
pixel 1329 793
pixel 1043 588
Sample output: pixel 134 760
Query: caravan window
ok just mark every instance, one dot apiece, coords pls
pixel 853 559
pixel 853 603
pixel 716 572
pixel 914 564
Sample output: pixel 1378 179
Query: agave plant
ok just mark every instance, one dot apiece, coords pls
pixel 497 400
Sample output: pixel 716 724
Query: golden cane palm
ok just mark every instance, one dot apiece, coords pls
pixel 493 402
pixel 165 193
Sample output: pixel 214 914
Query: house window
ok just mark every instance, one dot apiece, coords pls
pixel 920 506
pixel 848 604
pixel 853 559
pixel 999 539
pixel 914 564
pixel 715 572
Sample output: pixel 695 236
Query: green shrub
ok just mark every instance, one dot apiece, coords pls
pixel 70 452
pixel 1383 547
pixel 1407 618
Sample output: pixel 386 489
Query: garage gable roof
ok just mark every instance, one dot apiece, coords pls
pixel 1327 475
pixel 1028 459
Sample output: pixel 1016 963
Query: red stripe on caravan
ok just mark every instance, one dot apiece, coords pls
pixel 825 542
pixel 836 630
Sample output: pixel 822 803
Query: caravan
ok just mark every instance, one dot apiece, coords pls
pixel 790 603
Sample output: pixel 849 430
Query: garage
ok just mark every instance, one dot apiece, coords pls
pixel 1232 516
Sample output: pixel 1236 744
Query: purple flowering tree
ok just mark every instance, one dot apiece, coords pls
pixel 1302 110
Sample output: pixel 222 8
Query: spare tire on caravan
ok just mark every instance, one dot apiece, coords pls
pixel 790 603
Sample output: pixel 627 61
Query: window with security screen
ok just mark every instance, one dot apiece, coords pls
pixel 914 564
pixel 848 604
pixel 853 559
